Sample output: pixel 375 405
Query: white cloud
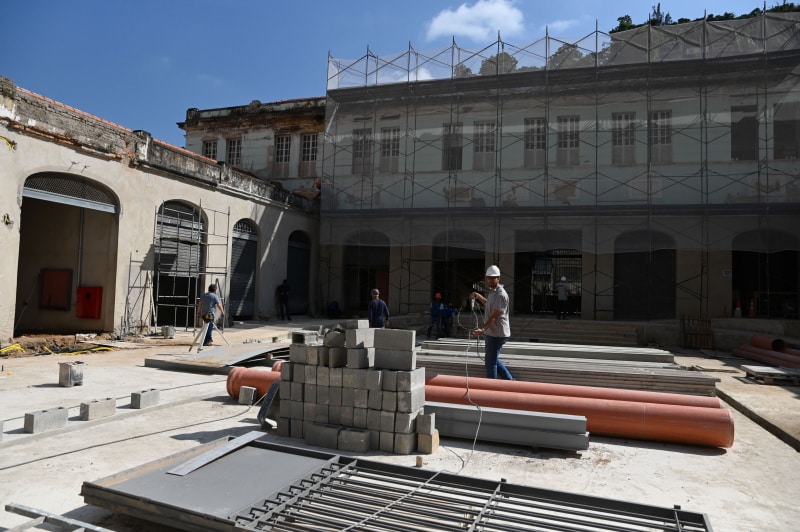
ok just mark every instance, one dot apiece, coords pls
pixel 562 25
pixel 479 22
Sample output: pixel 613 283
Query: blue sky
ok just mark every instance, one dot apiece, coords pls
pixel 143 63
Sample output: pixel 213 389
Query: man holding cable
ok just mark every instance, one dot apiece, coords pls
pixel 496 329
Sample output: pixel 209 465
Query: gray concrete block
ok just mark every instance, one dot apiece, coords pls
pixel 360 337
pixel 312 354
pixel 353 378
pixel 322 414
pixel 375 400
pixel 296 428
pixel 405 443
pixel 373 419
pixel 335 415
pixel 297 410
pixel 323 376
pixel 360 418
pixel 310 393
pixel 284 427
pixel 323 356
pixel 408 380
pixel 334 396
pixel 346 416
pixel 42 420
pixel 348 398
pixel 373 380
pixel 360 357
pixel 387 421
pixel 389 401
pixel 411 401
pixel 285 408
pixel 361 398
pixel 389 380
pixel 70 373
pixel 335 377
pixel 374 440
pixel 406 422
pixel 311 374
pixel 337 357
pixel 286 369
pixel 305 337
pixel 395 359
pixel 399 339
pixel 98 408
pixel 145 398
pixel 354 441
pixel 386 442
pixel 428 443
pixel 247 395
pixel 297 353
pixel 323 395
pixel 299 373
pixel 285 390
pixel 426 423
pixel 356 324
pixel 309 411
pixel 296 391
pixel 334 339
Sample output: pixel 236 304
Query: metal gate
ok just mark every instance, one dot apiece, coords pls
pixel 244 255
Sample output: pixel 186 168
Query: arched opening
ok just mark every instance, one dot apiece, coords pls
pixel 644 276
pixel 244 265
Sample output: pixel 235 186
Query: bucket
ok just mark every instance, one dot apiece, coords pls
pixel 70 373
pixel 168 331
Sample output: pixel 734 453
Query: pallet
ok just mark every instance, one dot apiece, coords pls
pixel 770 375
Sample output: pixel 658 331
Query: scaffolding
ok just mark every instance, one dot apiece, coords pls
pixel 662 159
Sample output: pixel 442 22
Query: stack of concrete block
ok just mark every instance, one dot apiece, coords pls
pixel 357 389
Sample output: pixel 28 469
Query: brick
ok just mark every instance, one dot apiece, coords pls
pixel 375 400
pixel 356 324
pixel 354 441
pixel 411 401
pixel 297 353
pixel 409 380
pixel 334 339
pixel 428 443
pixel 322 435
pixel 400 339
pixel 360 357
pixel 310 393
pixel 361 398
pixel 335 377
pixel 324 376
pixel 373 380
pixel 360 337
pixel 145 398
pixel 389 383
pixel 387 421
pixel 374 419
pixel 389 401
pixel 405 443
pixel 386 442
pixel 99 408
pixel 304 337
pixel 405 422
pixel 337 357
pixel 360 418
pixel 284 427
pixel 42 420
pixel 395 359
pixel 426 423
pixel 247 395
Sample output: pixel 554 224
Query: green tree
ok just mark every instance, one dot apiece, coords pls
pixel 501 63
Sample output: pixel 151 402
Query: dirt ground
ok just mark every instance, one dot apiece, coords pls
pixel 751 486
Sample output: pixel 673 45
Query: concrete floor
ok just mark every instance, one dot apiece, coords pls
pixel 751 486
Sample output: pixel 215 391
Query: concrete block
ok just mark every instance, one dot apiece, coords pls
pixel 297 353
pixel 334 396
pixel 395 359
pixel 310 393
pixel 386 442
pixel 323 356
pixel 321 414
pixel 408 380
pixel 361 398
pixel 337 357
pixel 373 419
pixel 374 440
pixel 360 357
pixel 70 373
pixel 322 435
pixel 426 423
pixel 285 390
pixel 335 377
pixel 334 339
pixel 346 416
pixel 405 422
pixel 348 398
pixel 311 374
pixel 395 339
pixel 309 411
pixel 389 380
pixel 286 369
pixel 335 415
pixel 405 443
pixel 411 401
pixel 387 421
pixel 284 427
pixel 354 441
pixel 375 400
pixel 297 410
pixel 360 418
pixel 428 443
pixel 323 376
pixel 312 354
pixel 299 373
pixel 353 378
pixel 360 337
pixel 305 337
pixel 296 392
pixel 247 395
pixel 373 380
pixel 323 397
pixel 356 324
pixel 296 428
pixel 285 408
pixel 98 408
pixel 145 398
pixel 42 420
pixel 389 401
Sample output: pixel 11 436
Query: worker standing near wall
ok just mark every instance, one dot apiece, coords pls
pixel 563 294
pixel 496 329
pixel 207 309
pixel 377 311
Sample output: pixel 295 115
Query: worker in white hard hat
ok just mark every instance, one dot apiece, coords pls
pixel 563 293
pixel 496 329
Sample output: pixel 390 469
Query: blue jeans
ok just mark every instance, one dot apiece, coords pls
pixel 207 339
pixel 494 366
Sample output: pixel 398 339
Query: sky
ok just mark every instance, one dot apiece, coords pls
pixel 142 63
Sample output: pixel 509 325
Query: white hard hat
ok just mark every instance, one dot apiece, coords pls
pixel 563 278
pixel 493 271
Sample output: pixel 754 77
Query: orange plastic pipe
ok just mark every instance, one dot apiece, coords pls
pixel 768 342
pixel 258 378
pixel 769 357
pixel 596 392
pixel 626 419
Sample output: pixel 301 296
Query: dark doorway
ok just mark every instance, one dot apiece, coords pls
pixel 644 276
pixel 765 281
pixel 459 265
pixel 244 262
pixel 298 272
pixel 366 266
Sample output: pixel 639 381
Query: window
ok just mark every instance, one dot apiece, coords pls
pixel 390 149
pixel 362 151
pixel 283 146
pixel 233 154
pixel 623 138
pixel 744 133
pixel 308 159
pixel 484 145
pixel 535 142
pixel 568 151
pixel 660 136
pixel 210 149
pixel 451 147
pixel 787 130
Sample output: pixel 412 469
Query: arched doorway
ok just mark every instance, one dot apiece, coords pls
pixel 644 276
pixel 765 274
pixel 298 272
pixel 459 262
pixel 366 266
pixel 244 264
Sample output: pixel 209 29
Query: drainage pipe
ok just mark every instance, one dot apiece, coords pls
pixel 769 357
pixel 595 392
pixel 625 419
pixel 768 342
pixel 259 378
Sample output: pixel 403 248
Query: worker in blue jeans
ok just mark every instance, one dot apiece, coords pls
pixel 207 309
pixel 496 329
